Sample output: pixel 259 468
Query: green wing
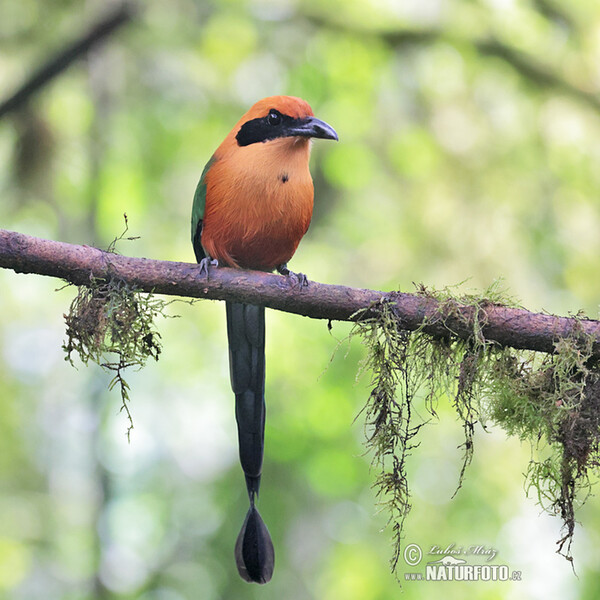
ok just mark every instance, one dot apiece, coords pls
pixel 198 211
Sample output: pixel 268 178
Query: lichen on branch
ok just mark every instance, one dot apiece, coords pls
pixel 552 401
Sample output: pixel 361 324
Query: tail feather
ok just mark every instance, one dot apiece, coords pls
pixel 254 554
pixel 246 334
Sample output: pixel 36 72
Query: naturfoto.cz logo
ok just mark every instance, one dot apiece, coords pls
pixel 452 568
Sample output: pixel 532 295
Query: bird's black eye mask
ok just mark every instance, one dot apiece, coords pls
pixel 263 129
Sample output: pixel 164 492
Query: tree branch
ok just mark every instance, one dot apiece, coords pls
pixel 64 58
pixel 539 72
pixel 514 327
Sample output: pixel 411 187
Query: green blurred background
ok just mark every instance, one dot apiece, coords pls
pixel 469 150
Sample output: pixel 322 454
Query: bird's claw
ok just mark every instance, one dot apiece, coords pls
pixel 205 263
pixel 301 279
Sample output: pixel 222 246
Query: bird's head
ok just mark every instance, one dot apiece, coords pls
pixel 279 117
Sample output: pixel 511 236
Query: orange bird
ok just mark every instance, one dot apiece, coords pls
pixel 252 206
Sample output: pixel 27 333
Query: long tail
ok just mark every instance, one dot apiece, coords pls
pixel 254 553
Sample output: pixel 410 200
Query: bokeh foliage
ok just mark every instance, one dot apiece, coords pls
pixel 469 149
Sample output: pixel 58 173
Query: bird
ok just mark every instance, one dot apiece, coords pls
pixel 252 206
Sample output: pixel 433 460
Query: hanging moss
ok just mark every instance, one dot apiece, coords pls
pixel 551 401
pixel 554 403
pixel 112 324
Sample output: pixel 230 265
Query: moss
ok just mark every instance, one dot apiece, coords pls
pixel 388 423
pixel 551 401
pixel 112 324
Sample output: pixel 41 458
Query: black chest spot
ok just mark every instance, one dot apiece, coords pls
pixel 284 178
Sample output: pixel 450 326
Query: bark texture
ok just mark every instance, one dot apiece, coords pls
pixel 514 327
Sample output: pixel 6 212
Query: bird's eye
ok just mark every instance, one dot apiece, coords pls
pixel 274 117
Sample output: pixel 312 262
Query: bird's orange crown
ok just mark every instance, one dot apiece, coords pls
pixel 286 105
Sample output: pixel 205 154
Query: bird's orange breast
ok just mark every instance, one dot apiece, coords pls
pixel 259 202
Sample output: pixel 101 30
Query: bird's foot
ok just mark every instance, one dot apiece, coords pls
pixel 301 279
pixel 205 263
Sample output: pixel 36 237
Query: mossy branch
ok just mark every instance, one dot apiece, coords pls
pixel 498 324
pixel 536 375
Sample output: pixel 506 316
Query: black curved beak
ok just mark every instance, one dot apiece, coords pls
pixel 312 127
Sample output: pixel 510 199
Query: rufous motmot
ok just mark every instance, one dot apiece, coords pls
pixel 252 206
